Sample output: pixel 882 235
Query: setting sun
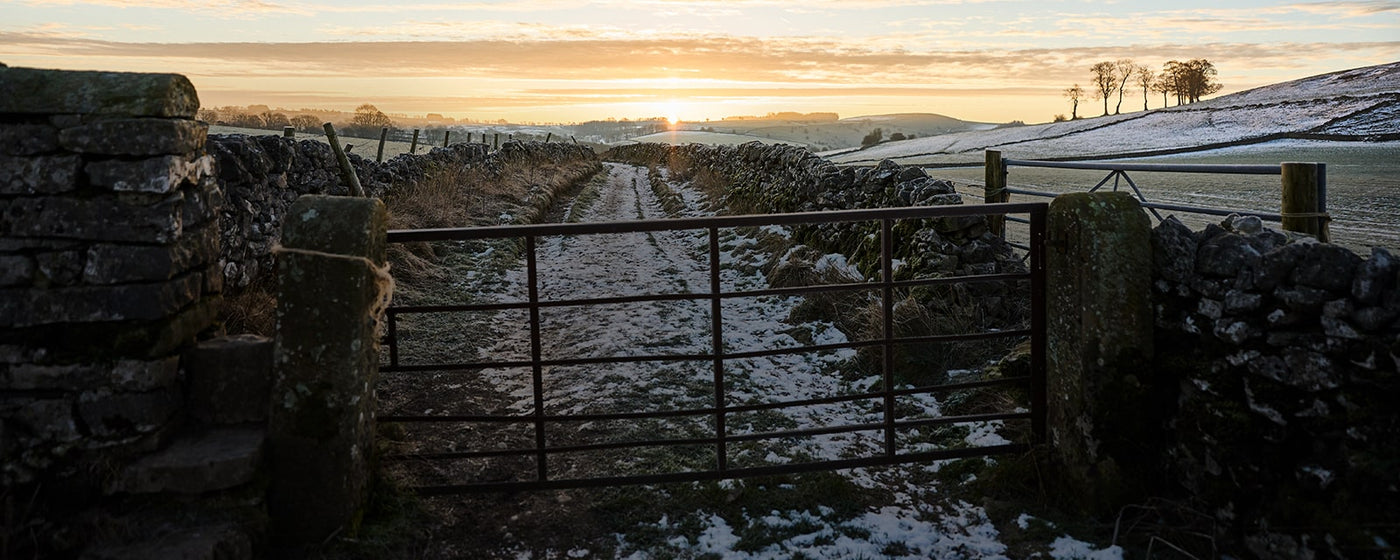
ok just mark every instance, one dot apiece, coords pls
pixel 673 113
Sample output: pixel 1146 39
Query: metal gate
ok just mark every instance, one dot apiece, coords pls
pixel 542 451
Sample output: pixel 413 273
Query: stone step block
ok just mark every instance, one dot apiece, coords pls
pixel 212 461
pixel 223 541
pixel 229 379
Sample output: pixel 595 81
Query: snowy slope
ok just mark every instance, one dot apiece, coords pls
pixel 1360 104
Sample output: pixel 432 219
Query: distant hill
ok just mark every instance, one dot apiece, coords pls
pixel 838 134
pixel 1362 104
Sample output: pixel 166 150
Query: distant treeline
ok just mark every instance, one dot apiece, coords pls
pixel 1186 81
pixel 790 116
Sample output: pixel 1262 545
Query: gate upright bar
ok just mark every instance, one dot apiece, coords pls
pixel 717 343
pixel 887 349
pixel 536 357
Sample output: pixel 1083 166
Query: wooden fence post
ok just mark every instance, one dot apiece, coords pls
pixel 495 140
pixel 346 171
pixel 383 135
pixel 548 137
pixel 289 132
pixel 414 146
pixel 446 136
pixel 1304 199
pixel 995 190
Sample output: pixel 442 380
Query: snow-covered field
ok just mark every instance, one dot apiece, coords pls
pixel 909 514
pixel 1348 120
pixel 1363 185
pixel 1355 104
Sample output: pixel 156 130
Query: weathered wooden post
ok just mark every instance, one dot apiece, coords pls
pixel 332 283
pixel 346 171
pixel 289 132
pixel 548 137
pixel 414 146
pixel 446 138
pixel 495 140
pixel 383 135
pixel 574 139
pixel 995 190
pixel 1305 199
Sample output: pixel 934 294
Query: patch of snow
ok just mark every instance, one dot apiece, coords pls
pixel 1324 476
pixel 717 538
pixel 1069 548
pixel 985 434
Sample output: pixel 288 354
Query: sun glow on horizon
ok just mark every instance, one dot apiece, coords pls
pixel 683 60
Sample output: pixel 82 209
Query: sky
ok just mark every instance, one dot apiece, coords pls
pixel 577 60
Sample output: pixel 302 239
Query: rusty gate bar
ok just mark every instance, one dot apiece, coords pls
pixel 747 472
pixel 888 425
pixel 795 291
pixel 796 218
pixel 1039 325
pixel 1120 169
pixel 709 411
pixel 392 334
pixel 1213 168
pixel 536 353
pixel 693 357
pixel 886 350
pixel 717 343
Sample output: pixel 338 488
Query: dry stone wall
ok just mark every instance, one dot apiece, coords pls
pixel 109 244
pixel 780 178
pixel 263 175
pixel 1286 352
pixel 119 221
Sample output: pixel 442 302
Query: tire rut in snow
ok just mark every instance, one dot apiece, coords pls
pixel 594 266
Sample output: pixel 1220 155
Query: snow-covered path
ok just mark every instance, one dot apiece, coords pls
pixel 907 520
pixel 670 262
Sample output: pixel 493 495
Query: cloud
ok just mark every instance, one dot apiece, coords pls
pixel 1350 9
pixel 227 7
pixel 738 59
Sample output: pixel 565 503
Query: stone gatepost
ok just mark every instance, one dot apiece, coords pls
pixel 332 284
pixel 1099 273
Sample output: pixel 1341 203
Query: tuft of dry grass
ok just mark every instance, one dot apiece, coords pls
pixel 448 196
pixel 713 184
pixel 252 310
pixel 799 268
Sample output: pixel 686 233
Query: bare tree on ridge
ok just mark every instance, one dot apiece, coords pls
pixel 1105 81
